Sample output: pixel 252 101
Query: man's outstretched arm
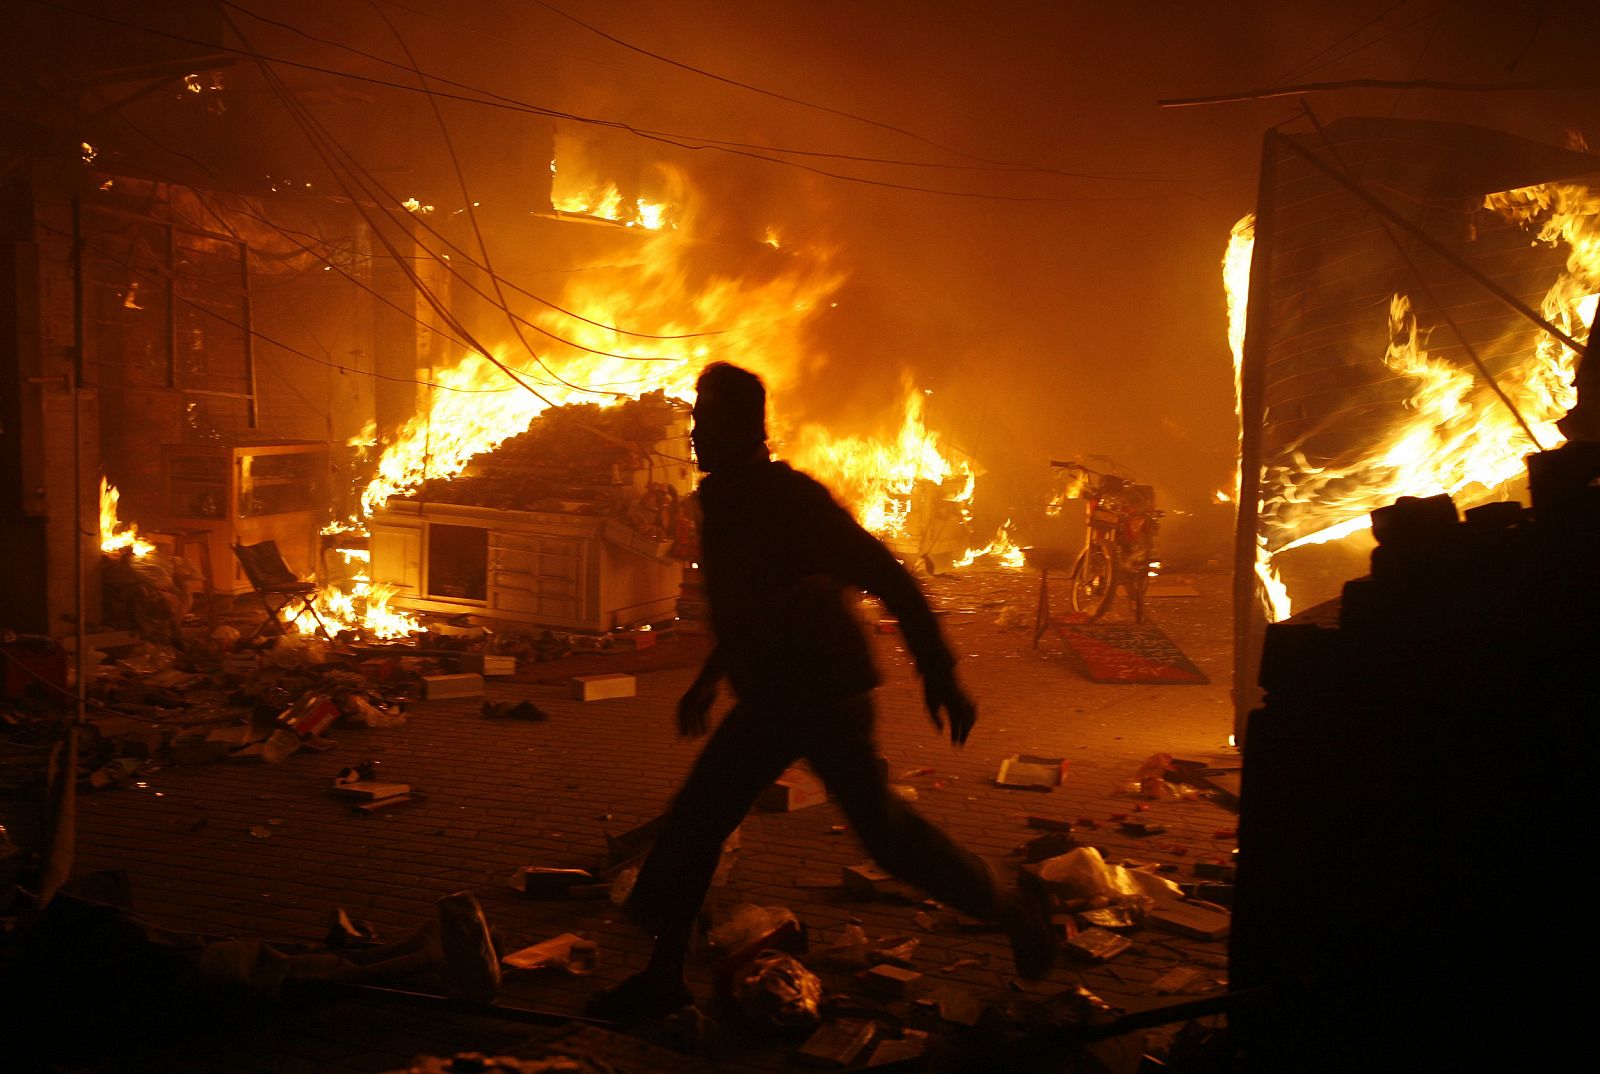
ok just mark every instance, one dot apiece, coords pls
pixel 856 556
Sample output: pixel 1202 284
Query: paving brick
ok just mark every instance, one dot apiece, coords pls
pixel 502 795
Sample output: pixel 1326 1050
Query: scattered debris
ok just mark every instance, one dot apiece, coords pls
pixel 555 953
pixel 1200 921
pixel 603 687
pixel 544 883
pixel 839 1043
pixel 777 991
pixel 1027 772
pixel 1098 944
pixel 1049 824
pixel 797 788
pixel 748 923
pixel 1177 979
pixel 893 982
pixel 436 687
pixel 513 710
pixel 1050 845
pixel 345 931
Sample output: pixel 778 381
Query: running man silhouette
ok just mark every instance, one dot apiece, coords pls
pixel 780 559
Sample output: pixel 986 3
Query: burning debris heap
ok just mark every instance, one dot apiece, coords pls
pixel 1422 754
pixel 583 459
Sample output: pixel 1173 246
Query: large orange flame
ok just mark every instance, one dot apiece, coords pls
pixel 879 478
pixel 114 535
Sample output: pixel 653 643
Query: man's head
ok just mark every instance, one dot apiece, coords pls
pixel 730 416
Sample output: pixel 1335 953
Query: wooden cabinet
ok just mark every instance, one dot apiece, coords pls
pixel 581 572
pixel 248 492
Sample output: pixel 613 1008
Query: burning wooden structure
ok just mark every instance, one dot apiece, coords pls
pixel 1389 303
pixel 575 523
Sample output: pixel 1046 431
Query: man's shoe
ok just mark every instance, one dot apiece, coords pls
pixel 641 998
pixel 1026 919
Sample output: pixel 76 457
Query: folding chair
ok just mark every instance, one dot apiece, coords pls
pixel 278 587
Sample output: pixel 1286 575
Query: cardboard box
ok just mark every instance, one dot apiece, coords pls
pixel 380 668
pixel 1099 944
pixel 866 880
pixel 435 687
pixel 1188 919
pixel 552 952
pixel 797 788
pixel 369 790
pixel 489 664
pixel 1031 773
pixel 839 1043
pixel 602 687
pixel 890 981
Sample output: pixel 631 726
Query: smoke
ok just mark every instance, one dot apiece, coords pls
pixel 1068 308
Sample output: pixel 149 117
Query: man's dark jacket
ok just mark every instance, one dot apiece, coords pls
pixel 778 556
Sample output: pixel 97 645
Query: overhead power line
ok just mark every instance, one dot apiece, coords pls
pixel 1007 165
pixel 680 141
pixel 1540 85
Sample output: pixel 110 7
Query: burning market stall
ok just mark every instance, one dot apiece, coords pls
pixel 1389 281
pixel 573 523
pixel 1429 726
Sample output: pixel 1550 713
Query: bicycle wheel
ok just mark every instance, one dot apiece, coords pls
pixel 1094 580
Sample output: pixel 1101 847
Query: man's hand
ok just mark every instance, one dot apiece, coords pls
pixel 695 705
pixel 942 693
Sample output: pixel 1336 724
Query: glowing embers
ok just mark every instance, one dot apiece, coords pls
pixel 114 535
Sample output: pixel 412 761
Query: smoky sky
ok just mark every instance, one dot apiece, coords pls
pixel 1063 299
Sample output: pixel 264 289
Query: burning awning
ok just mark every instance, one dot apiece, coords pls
pixel 1384 353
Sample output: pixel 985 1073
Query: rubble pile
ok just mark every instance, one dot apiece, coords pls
pixel 582 459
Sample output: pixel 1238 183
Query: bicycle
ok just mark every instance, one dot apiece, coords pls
pixel 1119 544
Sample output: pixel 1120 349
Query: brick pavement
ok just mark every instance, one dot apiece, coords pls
pixel 502 794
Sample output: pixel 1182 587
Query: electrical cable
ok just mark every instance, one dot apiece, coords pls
pixel 1354 49
pixel 1303 67
pixel 985 165
pixel 471 206
pixel 328 149
pixel 165 287
pixel 521 290
pixel 314 133
pixel 612 124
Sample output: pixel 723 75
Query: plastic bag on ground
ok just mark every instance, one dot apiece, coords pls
pixel 748 922
pixel 367 714
pixel 1084 874
pixel 622 886
pixel 147 658
pixel 296 651
pixel 777 990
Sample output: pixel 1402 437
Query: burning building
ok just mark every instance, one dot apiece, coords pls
pixel 291 345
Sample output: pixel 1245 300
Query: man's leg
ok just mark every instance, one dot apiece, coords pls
pixel 749 750
pixel 842 750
